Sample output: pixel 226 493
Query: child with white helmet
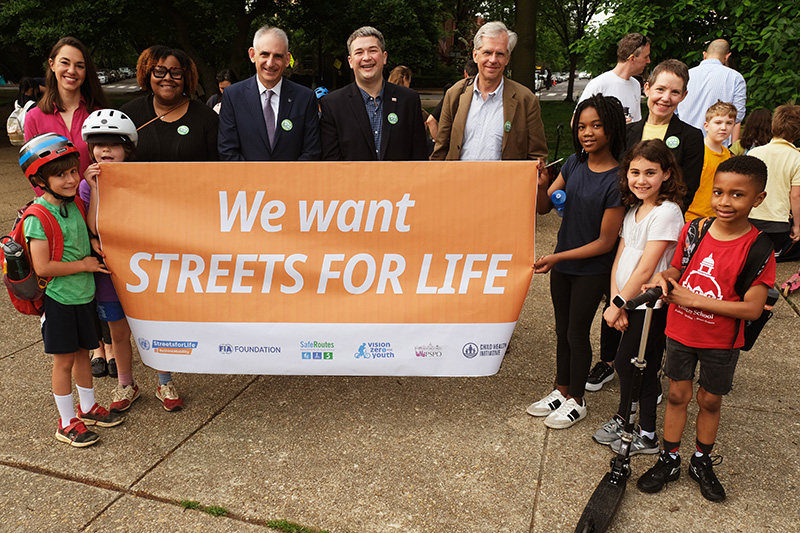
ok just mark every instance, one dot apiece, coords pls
pixel 111 137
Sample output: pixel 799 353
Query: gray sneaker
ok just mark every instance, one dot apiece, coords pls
pixel 639 445
pixel 610 431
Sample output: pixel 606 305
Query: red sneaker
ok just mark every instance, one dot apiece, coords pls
pixel 76 434
pixel 99 416
pixel 169 397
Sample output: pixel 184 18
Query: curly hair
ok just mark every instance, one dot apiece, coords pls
pixel 609 109
pixel 150 58
pixel 655 151
pixel 749 166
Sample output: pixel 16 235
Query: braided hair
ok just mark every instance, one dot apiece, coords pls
pixel 609 109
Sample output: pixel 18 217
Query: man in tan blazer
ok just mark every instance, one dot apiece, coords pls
pixel 490 117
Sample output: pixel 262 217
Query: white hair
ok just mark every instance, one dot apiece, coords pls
pixel 492 29
pixel 277 32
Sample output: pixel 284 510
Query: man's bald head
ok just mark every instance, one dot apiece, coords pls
pixel 719 49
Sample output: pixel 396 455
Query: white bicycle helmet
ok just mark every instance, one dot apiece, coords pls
pixel 109 125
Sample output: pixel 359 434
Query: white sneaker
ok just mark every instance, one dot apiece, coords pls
pixel 566 415
pixel 547 405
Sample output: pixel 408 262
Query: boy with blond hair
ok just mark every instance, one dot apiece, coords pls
pixel 720 120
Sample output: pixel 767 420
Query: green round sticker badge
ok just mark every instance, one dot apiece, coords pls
pixel 183 130
pixel 672 141
pixel 392 118
pixel 507 126
pixel 286 124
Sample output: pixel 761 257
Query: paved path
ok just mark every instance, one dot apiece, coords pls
pixel 377 454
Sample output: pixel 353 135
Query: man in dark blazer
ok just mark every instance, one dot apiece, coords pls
pixel 490 117
pixel 370 119
pixel 268 117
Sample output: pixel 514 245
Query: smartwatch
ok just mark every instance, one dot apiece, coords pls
pixel 618 301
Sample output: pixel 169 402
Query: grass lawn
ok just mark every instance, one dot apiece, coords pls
pixel 553 114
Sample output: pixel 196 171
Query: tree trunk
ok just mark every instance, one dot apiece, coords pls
pixel 573 62
pixel 523 59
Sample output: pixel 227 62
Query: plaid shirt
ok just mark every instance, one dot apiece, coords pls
pixel 374 107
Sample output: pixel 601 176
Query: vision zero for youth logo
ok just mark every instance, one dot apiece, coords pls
pixel 375 350
pixel 168 347
pixel 471 349
pixel 316 350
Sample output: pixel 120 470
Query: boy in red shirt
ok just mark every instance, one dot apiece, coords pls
pixel 701 322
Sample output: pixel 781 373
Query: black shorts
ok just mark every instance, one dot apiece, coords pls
pixel 68 328
pixel 716 366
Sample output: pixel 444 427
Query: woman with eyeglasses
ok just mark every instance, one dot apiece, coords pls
pixel 72 92
pixel 172 125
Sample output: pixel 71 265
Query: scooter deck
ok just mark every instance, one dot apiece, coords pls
pixel 602 506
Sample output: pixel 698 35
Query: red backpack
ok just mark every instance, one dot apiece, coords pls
pixel 25 288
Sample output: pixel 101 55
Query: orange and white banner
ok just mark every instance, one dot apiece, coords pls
pixel 413 268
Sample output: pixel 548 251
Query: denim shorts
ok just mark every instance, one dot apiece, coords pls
pixel 716 366
pixel 110 311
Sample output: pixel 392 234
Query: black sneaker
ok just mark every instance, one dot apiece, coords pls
pixel 601 374
pixel 665 470
pixel 99 367
pixel 112 368
pixel 701 470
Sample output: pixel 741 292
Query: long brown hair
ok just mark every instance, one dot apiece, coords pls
pixel 655 151
pixel 91 90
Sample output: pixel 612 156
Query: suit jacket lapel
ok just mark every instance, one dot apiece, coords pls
pixel 360 113
pixel 284 110
pixel 254 103
pixel 460 119
pixel 389 106
pixel 509 108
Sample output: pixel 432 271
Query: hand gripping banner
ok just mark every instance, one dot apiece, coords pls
pixel 382 268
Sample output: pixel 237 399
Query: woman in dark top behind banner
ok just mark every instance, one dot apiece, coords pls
pixel 172 126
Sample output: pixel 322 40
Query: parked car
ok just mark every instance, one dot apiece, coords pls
pixel 583 75
pixel 126 72
pixel 101 75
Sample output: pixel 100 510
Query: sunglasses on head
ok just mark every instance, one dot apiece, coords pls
pixel 176 73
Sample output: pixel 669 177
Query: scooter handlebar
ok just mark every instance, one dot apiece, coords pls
pixel 647 297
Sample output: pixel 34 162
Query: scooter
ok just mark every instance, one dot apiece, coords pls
pixel 603 505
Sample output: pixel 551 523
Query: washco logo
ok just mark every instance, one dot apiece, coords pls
pixel 470 350
pixel 429 351
pixel 144 344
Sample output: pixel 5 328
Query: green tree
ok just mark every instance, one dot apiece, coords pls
pixel 763 36
pixel 569 20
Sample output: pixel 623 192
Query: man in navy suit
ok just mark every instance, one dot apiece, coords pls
pixel 267 117
pixel 371 120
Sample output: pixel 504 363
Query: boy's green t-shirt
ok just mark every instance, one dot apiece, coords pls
pixel 75 289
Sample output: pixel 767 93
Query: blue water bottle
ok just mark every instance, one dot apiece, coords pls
pixel 559 198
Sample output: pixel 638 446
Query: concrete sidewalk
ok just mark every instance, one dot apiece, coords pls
pixel 367 454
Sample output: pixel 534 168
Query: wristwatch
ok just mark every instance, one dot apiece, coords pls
pixel 618 301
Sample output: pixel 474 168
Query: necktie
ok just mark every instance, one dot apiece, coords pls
pixel 269 118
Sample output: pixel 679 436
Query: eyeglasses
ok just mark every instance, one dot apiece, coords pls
pixel 176 73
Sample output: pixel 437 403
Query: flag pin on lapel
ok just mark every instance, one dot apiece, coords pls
pixel 394 99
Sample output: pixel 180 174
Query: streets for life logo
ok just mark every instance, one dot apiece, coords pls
pixel 316 350
pixel 374 350
pixel 170 347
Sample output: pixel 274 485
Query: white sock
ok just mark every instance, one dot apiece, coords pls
pixel 87 398
pixel 66 409
pixel 649 434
